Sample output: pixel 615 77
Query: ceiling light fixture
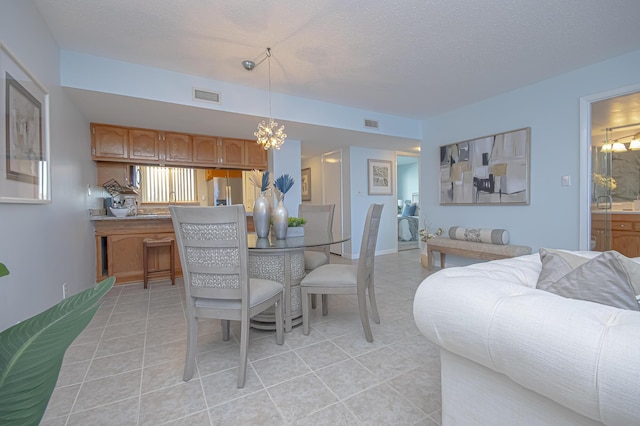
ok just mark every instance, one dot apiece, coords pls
pixel 269 135
pixel 606 148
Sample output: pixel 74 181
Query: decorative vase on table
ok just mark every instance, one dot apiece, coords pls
pixel 261 206
pixel 280 215
pixel 262 215
pixel 280 218
pixel 424 255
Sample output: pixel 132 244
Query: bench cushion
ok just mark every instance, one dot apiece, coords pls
pixel 499 250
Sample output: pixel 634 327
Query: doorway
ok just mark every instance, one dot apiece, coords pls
pixel 408 190
pixel 610 171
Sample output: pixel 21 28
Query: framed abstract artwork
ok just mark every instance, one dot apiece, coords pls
pixel 490 170
pixel 305 178
pixel 380 177
pixel 24 111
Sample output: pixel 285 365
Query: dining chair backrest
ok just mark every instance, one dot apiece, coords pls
pixel 212 242
pixel 319 217
pixel 368 245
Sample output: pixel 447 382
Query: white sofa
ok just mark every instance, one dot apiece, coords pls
pixel 515 355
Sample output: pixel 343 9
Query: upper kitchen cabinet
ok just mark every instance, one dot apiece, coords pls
pixel 178 148
pixel 109 142
pixel 255 156
pixel 205 151
pixel 144 145
pixel 231 152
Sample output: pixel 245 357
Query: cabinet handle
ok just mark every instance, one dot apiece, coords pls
pixel 93 130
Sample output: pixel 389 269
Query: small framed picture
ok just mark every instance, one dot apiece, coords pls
pixel 380 177
pixel 305 178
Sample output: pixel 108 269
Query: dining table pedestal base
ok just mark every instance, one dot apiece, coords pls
pixel 285 266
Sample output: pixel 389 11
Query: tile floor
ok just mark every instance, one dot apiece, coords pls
pixel 126 367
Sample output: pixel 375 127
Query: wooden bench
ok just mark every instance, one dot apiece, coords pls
pixel 484 251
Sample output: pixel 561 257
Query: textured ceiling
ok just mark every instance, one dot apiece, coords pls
pixel 413 58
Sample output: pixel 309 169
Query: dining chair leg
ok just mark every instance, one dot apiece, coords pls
pixel 305 296
pixel 244 343
pixel 374 305
pixel 192 345
pixel 280 320
pixel 226 325
pixel 325 305
pixel 364 316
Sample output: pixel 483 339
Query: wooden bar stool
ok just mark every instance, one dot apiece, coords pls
pixel 148 243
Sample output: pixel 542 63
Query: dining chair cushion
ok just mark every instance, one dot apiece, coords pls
pixel 260 290
pixel 313 259
pixel 332 275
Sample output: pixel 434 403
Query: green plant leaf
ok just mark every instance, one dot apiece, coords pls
pixel 3 270
pixel 31 354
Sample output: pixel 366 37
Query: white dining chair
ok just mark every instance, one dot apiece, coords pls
pixel 212 242
pixel 348 279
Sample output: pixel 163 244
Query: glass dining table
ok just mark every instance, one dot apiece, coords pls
pixel 283 261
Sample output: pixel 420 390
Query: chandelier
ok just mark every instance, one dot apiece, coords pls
pixel 269 135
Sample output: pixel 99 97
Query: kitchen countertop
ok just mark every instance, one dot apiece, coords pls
pixel 614 212
pixel 98 214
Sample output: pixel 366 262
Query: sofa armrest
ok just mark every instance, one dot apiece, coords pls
pixel 580 354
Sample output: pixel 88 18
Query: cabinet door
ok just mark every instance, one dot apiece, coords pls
pixel 178 148
pixel 124 254
pixel 626 243
pixel 255 156
pixel 144 145
pixel 232 152
pixel 109 142
pixel 110 170
pixel 205 150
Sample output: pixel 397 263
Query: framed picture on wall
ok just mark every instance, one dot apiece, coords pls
pixel 24 114
pixel 380 177
pixel 305 178
pixel 490 170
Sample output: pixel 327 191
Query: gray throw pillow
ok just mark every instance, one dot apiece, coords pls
pixel 610 278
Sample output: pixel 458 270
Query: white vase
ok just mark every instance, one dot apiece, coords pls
pixel 262 215
pixel 280 219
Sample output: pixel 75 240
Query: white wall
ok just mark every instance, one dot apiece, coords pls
pixel 551 109
pixel 46 245
pixel 286 160
pixel 360 202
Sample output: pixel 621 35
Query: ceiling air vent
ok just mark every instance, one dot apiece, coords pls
pixel 206 95
pixel 371 124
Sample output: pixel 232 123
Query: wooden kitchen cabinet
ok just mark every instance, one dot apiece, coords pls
pixel 231 152
pixel 158 147
pixel 205 150
pixel 144 145
pixel 623 235
pixel 107 170
pixel 119 248
pixel 255 156
pixel 178 148
pixel 109 142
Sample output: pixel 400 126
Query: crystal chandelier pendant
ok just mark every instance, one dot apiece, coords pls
pixel 270 135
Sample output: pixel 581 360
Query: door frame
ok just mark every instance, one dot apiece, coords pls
pixel 585 158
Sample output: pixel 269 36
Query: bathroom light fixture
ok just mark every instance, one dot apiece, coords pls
pixel 635 142
pixel 606 148
pixel 618 147
pixel 269 135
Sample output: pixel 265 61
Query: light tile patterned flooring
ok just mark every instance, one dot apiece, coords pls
pixel 126 367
